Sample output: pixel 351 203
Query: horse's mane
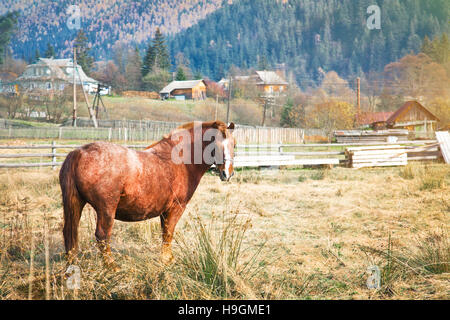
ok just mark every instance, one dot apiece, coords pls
pixel 190 125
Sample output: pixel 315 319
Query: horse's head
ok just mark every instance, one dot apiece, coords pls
pixel 225 157
pixel 217 146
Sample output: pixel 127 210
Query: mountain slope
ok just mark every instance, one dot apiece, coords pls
pixel 104 21
pixel 309 34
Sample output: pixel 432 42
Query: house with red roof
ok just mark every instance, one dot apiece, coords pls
pixel 376 120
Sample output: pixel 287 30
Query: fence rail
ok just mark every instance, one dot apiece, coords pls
pixel 247 155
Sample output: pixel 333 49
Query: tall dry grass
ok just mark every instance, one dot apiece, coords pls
pixel 290 234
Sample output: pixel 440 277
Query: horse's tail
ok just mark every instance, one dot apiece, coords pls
pixel 72 201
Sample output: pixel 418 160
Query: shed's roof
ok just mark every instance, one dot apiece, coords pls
pixel 406 107
pixel 174 85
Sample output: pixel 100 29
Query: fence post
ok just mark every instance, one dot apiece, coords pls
pixel 60 133
pixel 109 134
pixel 54 155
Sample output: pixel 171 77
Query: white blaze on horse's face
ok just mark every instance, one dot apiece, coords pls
pixel 226 170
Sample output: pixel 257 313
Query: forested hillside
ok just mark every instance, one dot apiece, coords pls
pixel 309 35
pixel 105 22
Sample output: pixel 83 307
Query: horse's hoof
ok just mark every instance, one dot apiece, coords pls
pixel 71 257
pixel 167 258
pixel 112 266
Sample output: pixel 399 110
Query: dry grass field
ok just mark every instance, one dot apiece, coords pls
pixel 138 108
pixel 269 234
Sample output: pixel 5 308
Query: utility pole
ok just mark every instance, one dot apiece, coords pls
pixel 91 112
pixel 229 98
pixel 358 94
pixel 217 104
pixel 74 117
pixel 264 113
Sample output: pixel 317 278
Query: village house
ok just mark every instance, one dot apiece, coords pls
pixel 183 90
pixel 53 75
pixel 268 82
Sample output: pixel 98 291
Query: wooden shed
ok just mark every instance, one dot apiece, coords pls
pixel 191 89
pixel 415 118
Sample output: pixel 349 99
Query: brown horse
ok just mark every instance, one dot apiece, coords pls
pixel 128 185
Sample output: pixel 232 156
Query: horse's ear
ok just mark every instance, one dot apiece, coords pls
pixel 231 126
pixel 219 125
pixel 216 124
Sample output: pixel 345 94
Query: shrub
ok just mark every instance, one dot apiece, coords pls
pixel 213 256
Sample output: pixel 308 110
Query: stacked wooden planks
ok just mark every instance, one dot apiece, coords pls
pixel 377 156
pixel 424 153
pixel 362 136
pixel 443 138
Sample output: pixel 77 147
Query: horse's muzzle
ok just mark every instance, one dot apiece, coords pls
pixel 223 175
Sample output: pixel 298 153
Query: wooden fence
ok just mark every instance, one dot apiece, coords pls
pixel 152 132
pixel 249 155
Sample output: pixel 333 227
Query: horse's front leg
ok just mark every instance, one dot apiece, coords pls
pixel 168 222
pixel 105 222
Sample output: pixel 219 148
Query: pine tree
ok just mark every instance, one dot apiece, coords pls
pixel 50 52
pixel 438 49
pixel 181 76
pixel 197 75
pixel 161 51
pixel 286 113
pixel 37 55
pixel 263 64
pixel 7 26
pixel 444 49
pixel 149 60
pixel 426 46
pixel 157 55
pixel 83 58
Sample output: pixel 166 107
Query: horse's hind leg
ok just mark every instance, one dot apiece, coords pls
pixel 72 216
pixel 168 222
pixel 105 222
